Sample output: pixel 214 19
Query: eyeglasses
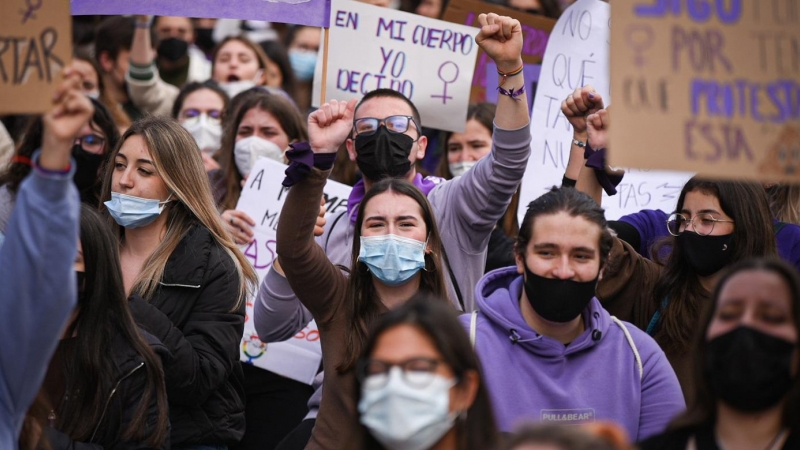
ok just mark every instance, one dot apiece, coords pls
pixel 192 115
pixel 394 124
pixel 92 143
pixel 702 223
pixel 416 372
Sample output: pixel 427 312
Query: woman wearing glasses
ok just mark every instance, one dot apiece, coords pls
pixel 716 223
pixel 90 152
pixel 420 383
pixel 200 108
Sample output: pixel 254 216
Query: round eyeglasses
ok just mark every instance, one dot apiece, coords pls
pixel 92 143
pixel 702 223
pixel 416 372
pixel 394 124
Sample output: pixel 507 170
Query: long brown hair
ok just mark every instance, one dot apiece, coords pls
pixel 177 161
pixel 360 286
pixel 703 409
pixel 284 112
pixel 753 236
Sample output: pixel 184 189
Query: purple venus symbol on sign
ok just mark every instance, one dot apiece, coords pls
pixel 444 70
pixel 640 37
pixel 32 6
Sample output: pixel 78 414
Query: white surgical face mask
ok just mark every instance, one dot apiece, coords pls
pixel 460 168
pixel 247 151
pixel 206 132
pixel 402 417
pixel 235 87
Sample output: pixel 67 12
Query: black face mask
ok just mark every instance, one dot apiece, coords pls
pixel 707 255
pixel 173 49
pixel 203 38
pixel 383 154
pixel 749 370
pixel 86 173
pixel 557 300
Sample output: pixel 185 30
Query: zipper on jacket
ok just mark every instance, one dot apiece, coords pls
pixel 193 286
pixel 111 396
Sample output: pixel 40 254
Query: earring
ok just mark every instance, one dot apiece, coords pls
pixel 724 247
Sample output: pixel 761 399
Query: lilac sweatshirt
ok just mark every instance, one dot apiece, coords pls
pixel 651 225
pixel 531 377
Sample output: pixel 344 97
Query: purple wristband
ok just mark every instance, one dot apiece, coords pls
pixel 597 161
pixel 302 159
pixel 512 93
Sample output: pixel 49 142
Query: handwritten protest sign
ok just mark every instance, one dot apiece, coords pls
pixel 35 44
pixel 712 87
pixel 577 55
pixel 535 32
pixel 302 12
pixel 262 199
pixel 429 61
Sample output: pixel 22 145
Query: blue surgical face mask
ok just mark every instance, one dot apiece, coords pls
pixel 134 212
pixel 303 63
pixel 392 259
pixel 403 417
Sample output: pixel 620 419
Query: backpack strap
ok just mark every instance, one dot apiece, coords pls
pixel 632 345
pixel 473 328
pixel 453 279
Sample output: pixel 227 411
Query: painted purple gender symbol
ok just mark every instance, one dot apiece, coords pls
pixel 640 37
pixel 29 13
pixel 444 95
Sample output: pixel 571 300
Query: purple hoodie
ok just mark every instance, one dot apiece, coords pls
pixel 532 377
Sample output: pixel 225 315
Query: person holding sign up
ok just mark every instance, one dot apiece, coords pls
pixel 716 223
pixel 385 142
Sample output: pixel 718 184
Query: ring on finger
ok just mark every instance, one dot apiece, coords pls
pixel 232 223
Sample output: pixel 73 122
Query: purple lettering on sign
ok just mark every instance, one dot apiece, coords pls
pixel 700 11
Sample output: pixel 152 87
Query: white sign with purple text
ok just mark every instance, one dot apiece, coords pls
pixel 430 61
pixel 262 199
pixel 578 55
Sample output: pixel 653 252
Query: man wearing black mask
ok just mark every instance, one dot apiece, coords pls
pixel 179 61
pixel 153 82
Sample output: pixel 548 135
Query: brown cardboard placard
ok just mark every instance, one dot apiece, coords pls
pixel 535 30
pixel 35 44
pixel 709 87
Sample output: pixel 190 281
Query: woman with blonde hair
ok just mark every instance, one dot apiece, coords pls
pixel 187 279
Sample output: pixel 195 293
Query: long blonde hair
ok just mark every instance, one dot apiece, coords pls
pixel 177 161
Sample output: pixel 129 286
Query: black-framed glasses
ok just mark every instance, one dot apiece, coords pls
pixel 92 143
pixel 394 124
pixel 702 223
pixel 415 372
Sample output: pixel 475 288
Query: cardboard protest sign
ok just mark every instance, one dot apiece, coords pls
pixel 577 55
pixel 302 12
pixel 712 87
pixel 535 33
pixel 35 44
pixel 262 199
pixel 430 61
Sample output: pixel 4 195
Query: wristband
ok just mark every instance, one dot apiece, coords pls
pixel 580 144
pixel 510 74
pixel 512 93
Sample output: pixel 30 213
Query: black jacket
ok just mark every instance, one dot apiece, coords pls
pixel 121 402
pixel 191 314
